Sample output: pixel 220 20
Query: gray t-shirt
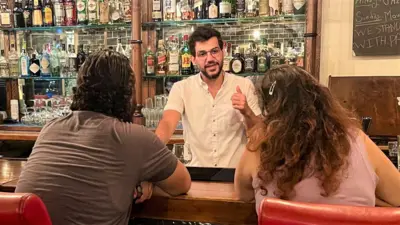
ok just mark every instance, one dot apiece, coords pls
pixel 85 168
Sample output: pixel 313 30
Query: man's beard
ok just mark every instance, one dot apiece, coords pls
pixel 212 77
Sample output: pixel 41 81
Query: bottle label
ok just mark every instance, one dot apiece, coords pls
pixel 240 6
pixel 173 58
pixel 80 6
pixel 92 5
pixel 262 64
pixel 186 60
pixel 69 12
pixel 37 18
pixel 44 63
pixel 48 15
pixel 34 68
pixel 225 7
pixel 161 59
pixel 115 15
pixel 58 10
pixel 287 7
pixel 213 11
pixel 173 68
pixel 24 66
pixel 127 11
pixel 5 18
pixel 104 11
pixel 237 66
pixel 264 8
pixel 150 65
pixel 156 5
pixel 225 66
pixel 14 109
pixel 298 4
pixel 35 3
pixel 156 15
pixel 275 61
pixel 170 6
pixel 249 64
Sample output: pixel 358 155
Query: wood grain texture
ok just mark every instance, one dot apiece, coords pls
pixel 374 97
pixel 310 42
pixel 205 202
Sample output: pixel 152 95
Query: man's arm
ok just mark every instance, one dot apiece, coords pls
pixel 167 125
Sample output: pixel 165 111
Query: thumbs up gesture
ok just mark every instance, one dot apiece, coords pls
pixel 239 101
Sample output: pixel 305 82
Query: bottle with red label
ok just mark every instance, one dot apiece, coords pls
pixel 70 12
pixel 186 57
pixel 150 61
pixel 162 64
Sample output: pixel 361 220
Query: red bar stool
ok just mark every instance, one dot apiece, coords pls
pixel 280 212
pixel 22 209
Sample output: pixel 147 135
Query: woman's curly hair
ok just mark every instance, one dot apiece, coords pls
pixel 105 85
pixel 306 132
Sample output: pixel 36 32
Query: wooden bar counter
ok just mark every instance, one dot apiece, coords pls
pixel 205 202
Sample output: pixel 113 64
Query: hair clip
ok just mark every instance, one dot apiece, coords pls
pixel 272 88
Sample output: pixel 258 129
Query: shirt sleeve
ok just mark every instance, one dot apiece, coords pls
pixel 175 98
pixel 252 99
pixel 156 161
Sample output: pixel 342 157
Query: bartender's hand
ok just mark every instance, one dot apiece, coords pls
pixel 239 102
pixel 143 192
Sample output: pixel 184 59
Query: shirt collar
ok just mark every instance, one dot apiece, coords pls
pixel 205 86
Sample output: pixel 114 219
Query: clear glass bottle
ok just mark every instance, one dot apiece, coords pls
pixel 212 9
pixel 251 8
pixel 162 64
pixel 59 12
pixel 116 11
pixel 287 7
pixel 157 11
pixel 45 65
pixel 225 8
pixel 393 152
pixel 187 10
pixel 63 61
pixel 120 48
pixel 71 61
pixel 128 50
pixel 264 8
pixel 13 59
pixel 24 64
pixel 4 70
pixel 127 11
pixel 227 57
pixel 169 9
pixel 55 60
pixel 104 9
pixel 5 15
pixel 173 56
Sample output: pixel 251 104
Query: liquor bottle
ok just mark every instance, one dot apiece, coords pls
pixel 63 61
pixel 186 57
pixel 263 59
pixel 161 54
pixel 287 7
pixel 4 70
pixel 59 13
pixel 199 9
pixel 28 13
pixel 5 16
pixel 37 16
pixel 264 8
pixel 34 66
pixel 249 62
pixel 104 11
pixel 81 11
pixel 237 63
pixel 227 57
pixel 80 58
pixel 212 9
pixel 178 15
pixel 116 11
pixel 186 10
pixel 251 8
pixel 157 11
pixel 120 48
pixel 71 61
pixel 93 12
pixel 277 56
pixel 127 11
pixel 169 9
pixel 225 8
pixel 13 62
pixel 55 60
pixel 240 8
pixel 149 60
pixel 45 66
pixel 48 13
pixel 300 56
pixel 70 12
pixel 23 64
pixel 173 56
pixel 19 14
pixel 274 7
pixel 280 7
pixel 393 152
pixel 299 7
pixel 128 50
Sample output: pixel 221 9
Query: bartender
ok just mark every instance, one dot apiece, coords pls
pixel 216 107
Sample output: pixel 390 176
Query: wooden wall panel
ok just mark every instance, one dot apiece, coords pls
pixel 375 97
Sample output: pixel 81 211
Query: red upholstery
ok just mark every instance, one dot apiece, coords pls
pixel 280 212
pixel 22 209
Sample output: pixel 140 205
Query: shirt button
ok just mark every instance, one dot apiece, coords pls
pixel 215 164
pixel 213 120
pixel 215 135
pixel 213 106
pixel 215 150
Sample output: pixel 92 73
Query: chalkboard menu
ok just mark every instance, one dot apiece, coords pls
pixel 376 27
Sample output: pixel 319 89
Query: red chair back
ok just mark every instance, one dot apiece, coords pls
pixel 280 212
pixel 22 209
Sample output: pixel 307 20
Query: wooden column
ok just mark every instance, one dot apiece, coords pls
pixel 311 37
pixel 137 59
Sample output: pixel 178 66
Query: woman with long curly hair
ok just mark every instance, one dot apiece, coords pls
pixel 87 166
pixel 310 149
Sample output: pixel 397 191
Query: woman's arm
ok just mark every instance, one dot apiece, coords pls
pixel 244 175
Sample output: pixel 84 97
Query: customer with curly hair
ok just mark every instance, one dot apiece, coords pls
pixel 86 166
pixel 310 149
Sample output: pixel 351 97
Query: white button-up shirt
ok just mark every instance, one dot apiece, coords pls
pixel 214 131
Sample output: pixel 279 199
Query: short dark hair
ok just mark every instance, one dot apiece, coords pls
pixel 201 34
pixel 105 85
